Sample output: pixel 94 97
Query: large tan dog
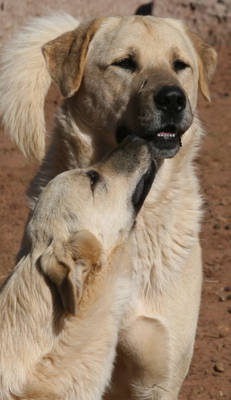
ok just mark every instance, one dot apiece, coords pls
pixel 119 76
pixel 62 307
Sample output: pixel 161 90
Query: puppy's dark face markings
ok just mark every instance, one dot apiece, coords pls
pixel 134 155
pixel 103 199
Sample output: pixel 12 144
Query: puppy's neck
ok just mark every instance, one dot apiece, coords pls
pixel 26 330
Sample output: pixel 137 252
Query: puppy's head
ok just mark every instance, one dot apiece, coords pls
pixel 103 199
pixel 133 75
pixel 67 265
pixel 88 216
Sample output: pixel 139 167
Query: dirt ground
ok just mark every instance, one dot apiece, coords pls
pixel 210 373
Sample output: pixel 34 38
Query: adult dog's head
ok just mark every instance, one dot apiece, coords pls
pixel 132 75
pixel 84 217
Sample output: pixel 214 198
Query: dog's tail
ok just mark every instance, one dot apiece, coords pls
pixel 24 82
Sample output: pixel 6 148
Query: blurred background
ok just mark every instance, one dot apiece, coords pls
pixel 210 373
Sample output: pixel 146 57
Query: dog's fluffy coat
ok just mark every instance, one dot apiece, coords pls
pixel 167 255
pixel 62 306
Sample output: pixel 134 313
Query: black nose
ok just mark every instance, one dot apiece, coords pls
pixel 170 99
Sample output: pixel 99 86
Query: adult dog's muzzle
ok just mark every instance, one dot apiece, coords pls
pixel 160 115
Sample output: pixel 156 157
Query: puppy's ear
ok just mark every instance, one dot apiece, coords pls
pixel 68 264
pixel 65 56
pixel 207 61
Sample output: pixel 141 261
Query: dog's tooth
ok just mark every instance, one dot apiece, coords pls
pixel 166 135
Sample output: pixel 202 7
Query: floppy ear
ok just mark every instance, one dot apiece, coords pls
pixel 67 265
pixel 207 60
pixel 65 56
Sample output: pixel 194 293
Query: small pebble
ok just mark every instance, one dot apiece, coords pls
pixel 221 298
pixel 216 226
pixel 223 332
pixel 218 367
pixel 227 288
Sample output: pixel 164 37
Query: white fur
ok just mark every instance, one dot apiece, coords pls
pixel 23 95
pixel 75 364
pixel 46 353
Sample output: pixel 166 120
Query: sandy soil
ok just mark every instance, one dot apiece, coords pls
pixel 213 344
pixel 210 373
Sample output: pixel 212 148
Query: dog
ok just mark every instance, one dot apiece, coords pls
pixel 121 76
pixel 61 308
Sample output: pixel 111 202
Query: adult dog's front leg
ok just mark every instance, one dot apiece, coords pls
pixel 155 353
pixel 142 370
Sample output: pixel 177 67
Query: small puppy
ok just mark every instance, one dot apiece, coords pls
pixel 61 309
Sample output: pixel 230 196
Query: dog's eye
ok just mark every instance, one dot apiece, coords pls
pixel 179 65
pixel 126 63
pixel 94 178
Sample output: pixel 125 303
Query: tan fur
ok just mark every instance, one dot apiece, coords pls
pixel 61 57
pixel 166 255
pixel 62 307
pixel 207 59
pixel 59 265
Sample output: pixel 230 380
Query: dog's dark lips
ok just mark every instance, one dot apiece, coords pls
pixel 168 132
pixel 167 137
pixel 165 141
pixel 142 188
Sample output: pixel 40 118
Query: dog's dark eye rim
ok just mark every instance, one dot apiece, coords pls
pixel 179 65
pixel 94 178
pixel 127 63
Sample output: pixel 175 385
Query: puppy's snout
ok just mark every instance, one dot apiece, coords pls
pixel 170 99
pixel 131 156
